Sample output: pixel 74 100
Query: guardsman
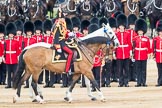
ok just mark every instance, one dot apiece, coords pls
pixel 84 31
pixel 2 61
pixel 123 50
pixel 38 31
pixel 141 51
pixel 76 26
pixel 113 71
pixel 157 51
pixel 28 39
pixel 39 38
pixel 48 38
pixel 19 33
pixel 84 27
pixel 11 52
pixel 131 26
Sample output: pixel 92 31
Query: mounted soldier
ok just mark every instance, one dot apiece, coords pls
pixel 59 33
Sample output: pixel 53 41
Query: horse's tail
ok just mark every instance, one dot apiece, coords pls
pixel 19 71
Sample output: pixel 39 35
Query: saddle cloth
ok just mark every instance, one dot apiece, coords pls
pixel 62 57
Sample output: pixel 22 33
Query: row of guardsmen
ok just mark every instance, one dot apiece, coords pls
pixel 128 62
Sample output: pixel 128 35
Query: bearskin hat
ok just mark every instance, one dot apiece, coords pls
pixel 141 24
pixel 159 26
pixel 2 28
pixel 94 20
pixel 103 20
pixel 84 25
pixel 38 25
pixel 121 20
pixel 131 19
pixel 19 25
pixel 69 24
pixel 76 22
pixel 92 28
pixel 112 22
pixel 47 25
pixel 28 26
pixel 11 28
pixel 117 13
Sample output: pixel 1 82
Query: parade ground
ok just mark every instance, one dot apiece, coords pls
pixel 116 97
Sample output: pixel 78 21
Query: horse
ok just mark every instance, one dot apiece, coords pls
pixel 70 8
pixel 108 7
pixel 153 10
pixel 3 12
pixel 37 11
pixel 50 6
pixel 14 10
pixel 131 7
pixel 43 54
pixel 86 10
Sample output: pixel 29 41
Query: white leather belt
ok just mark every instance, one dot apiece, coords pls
pixel 10 52
pixel 158 50
pixel 123 45
pixel 141 48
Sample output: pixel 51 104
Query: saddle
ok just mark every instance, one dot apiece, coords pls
pixel 62 57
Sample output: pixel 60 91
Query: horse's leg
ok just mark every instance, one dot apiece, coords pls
pixel 69 91
pixel 90 76
pixel 24 78
pixel 87 82
pixel 35 87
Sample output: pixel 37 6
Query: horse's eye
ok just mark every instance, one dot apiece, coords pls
pixel 110 32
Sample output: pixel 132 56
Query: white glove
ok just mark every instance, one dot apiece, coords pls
pixel 59 50
pixel 1 60
pixel 114 55
pixel 130 53
pixel 71 34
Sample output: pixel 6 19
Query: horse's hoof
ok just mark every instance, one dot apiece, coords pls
pixel 93 99
pixel 14 100
pixel 103 100
pixel 42 102
pixel 41 96
pixel 66 99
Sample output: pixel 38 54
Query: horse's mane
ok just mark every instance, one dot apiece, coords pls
pixel 94 40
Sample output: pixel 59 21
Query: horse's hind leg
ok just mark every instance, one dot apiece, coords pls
pixel 23 78
pixel 69 91
pixel 90 76
pixel 34 86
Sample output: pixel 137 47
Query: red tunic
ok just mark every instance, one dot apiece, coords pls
pixel 97 59
pixel 133 34
pixel 48 39
pixel 29 41
pixel 19 39
pixel 1 49
pixel 38 38
pixel 123 50
pixel 12 51
pixel 158 49
pixel 142 47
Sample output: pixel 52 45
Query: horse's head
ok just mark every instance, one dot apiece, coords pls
pixel 12 4
pixel 111 34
